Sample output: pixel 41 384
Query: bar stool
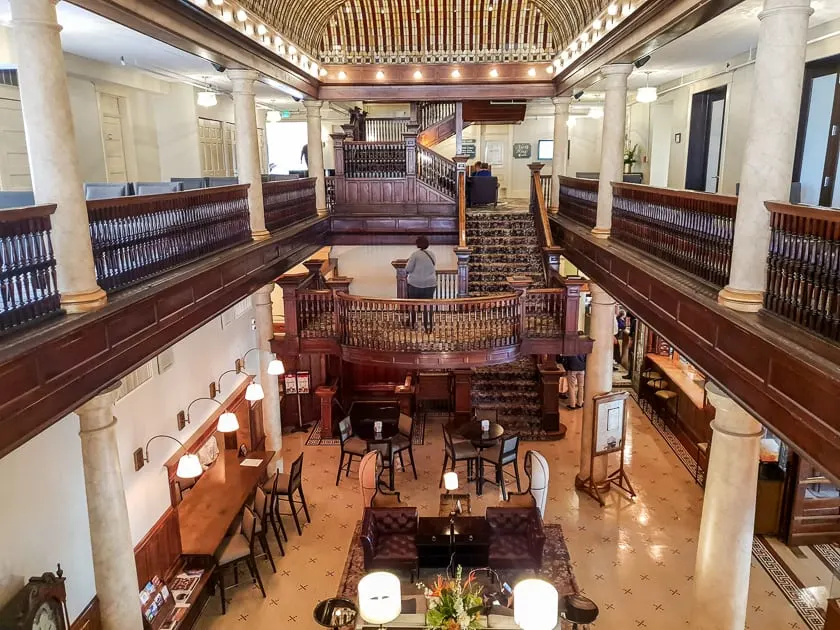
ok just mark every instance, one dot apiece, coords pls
pixel 579 610
pixel 651 375
pixel 666 405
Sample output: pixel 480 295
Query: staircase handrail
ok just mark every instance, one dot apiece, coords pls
pixel 437 171
pixel 538 207
pixel 431 113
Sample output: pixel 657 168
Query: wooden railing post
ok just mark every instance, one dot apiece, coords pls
pixel 402 278
pixel 409 137
pixel 463 395
pixel 538 204
pixel 289 283
pixel 463 256
pixel 462 252
pixel 550 398
pixel 338 194
pixel 338 283
pixel 326 394
pixel 571 312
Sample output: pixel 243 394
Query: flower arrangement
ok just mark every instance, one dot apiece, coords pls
pixel 453 604
pixel 630 157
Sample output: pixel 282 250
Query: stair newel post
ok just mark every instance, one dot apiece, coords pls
pixel 410 141
pixel 571 308
pixel 339 196
pixel 462 252
pixel 402 278
pixel 289 283
pixel 550 397
pixel 463 395
pixel 551 262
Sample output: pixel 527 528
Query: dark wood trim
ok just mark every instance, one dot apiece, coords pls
pixel 788 378
pixel 435 92
pixel 159 552
pixel 50 371
pixel 439 74
pixel 392 230
pixel 90 618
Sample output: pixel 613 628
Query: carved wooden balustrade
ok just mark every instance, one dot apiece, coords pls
pixel 374 159
pixel 431 113
pixel 135 238
pixel 546 182
pixel 447 281
pixel 385 129
pixel 288 202
pixel 436 171
pixel 539 209
pixel 28 290
pixel 690 230
pixel 803 267
pixel 329 185
pixel 579 199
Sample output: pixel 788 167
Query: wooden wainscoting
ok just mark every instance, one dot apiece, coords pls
pixel 159 553
pixel 89 619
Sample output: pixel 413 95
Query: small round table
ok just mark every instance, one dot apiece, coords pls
pixel 335 613
pixel 482 439
pixel 374 440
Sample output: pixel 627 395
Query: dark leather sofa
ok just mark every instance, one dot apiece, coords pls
pixel 517 538
pixel 389 539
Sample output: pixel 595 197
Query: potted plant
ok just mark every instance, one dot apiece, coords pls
pixel 630 157
pixel 452 604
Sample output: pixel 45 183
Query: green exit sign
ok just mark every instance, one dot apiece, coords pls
pixel 286 113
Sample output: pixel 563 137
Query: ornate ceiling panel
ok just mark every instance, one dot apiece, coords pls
pixel 431 31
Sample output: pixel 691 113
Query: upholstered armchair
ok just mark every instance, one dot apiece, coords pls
pixel 388 539
pixel 517 538
pixel 536 495
pixel 482 191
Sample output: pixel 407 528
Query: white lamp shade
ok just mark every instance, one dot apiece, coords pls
pixel 206 99
pixel 254 392
pixel 273 116
pixel 535 605
pixel 450 481
pixel 228 422
pixel 276 367
pixel 379 597
pixel 189 466
pixel 646 95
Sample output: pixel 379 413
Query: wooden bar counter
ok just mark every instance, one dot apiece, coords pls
pixel 215 501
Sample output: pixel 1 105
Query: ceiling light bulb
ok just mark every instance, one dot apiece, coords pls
pixel 278 41
pixel 584 37
pixel 241 15
pixel 612 9
pixel 549 69
pixel 380 75
pixel 261 29
pixel 342 75
pixel 292 49
pixel 323 72
pixel 494 73
pixel 456 74
pixel 532 72
pixel 597 24
pixel 418 74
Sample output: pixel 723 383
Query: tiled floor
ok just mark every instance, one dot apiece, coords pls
pixel 635 559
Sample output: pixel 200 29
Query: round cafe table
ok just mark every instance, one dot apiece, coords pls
pixel 482 439
pixel 335 613
pixel 382 442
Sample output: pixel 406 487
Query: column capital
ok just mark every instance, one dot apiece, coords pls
pixel 600 296
pixel 103 401
pixel 785 7
pixel 615 75
pixel 313 106
pixel 242 79
pixel 561 104
pixel 617 68
pixel 730 417
pixel 262 296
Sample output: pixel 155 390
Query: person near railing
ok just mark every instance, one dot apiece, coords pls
pixel 482 170
pixel 422 280
pixel 575 367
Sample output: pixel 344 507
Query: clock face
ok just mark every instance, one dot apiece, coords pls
pixel 46 618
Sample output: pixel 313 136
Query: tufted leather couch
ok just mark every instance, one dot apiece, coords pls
pixel 516 539
pixel 389 539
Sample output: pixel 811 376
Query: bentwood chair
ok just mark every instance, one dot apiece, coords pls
pixel 270 488
pixel 287 486
pixel 404 440
pixel 455 452
pixel 370 484
pixel 499 456
pixel 536 494
pixel 351 447
pixel 262 510
pixel 235 549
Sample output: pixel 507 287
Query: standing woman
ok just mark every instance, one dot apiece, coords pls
pixel 422 279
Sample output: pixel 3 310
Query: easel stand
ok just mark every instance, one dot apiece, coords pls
pixel 608 439
pixel 300 428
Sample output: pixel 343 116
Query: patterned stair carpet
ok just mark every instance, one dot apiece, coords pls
pixel 512 389
pixel 504 243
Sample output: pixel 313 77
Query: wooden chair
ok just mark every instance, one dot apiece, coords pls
pixel 404 441
pixel 270 488
pixel 351 447
pixel 236 549
pixel 263 511
pixel 370 483
pixel 455 452
pixel 499 456
pixel 287 485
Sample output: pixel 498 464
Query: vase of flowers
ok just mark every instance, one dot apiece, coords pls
pixel 630 157
pixel 452 604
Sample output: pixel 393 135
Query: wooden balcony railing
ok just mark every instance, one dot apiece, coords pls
pixel 28 290
pixel 579 199
pixel 546 182
pixel 385 129
pixel 135 238
pixel 288 202
pixel 447 281
pixel 316 314
pixel 436 171
pixel 429 114
pixel 374 159
pixel 329 184
pixel 803 267
pixel 690 230
pixel 544 312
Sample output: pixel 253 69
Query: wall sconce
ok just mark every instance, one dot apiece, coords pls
pixel 228 422
pixel 189 466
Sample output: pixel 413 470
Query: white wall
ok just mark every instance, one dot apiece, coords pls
pixel 42 489
pixel 176 118
pixel 371 270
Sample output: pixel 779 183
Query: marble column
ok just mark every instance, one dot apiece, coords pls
pixel 724 548
pixel 248 146
pixel 51 144
pixel 612 142
pixel 598 378
pixel 115 573
pixel 315 148
pixel 560 158
pixel 270 383
pixel 768 157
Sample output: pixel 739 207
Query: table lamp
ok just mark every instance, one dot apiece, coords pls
pixel 535 605
pixel 379 597
pixel 450 481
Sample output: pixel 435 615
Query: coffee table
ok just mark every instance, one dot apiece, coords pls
pixel 470 541
pixel 448 504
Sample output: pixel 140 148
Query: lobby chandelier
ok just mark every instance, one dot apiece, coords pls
pixel 646 94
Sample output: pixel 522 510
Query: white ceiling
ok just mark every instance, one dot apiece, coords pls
pixel 728 35
pixel 86 34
